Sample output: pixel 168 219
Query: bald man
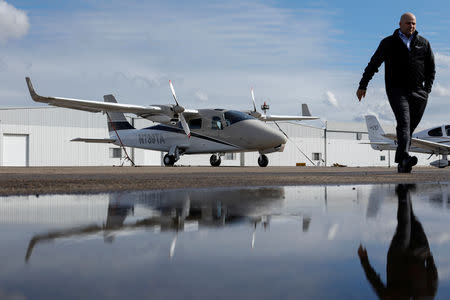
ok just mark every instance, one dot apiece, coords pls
pixel 409 75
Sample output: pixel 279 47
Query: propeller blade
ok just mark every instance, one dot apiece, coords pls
pixel 185 125
pixel 172 246
pixel 254 113
pixel 173 92
pixel 253 99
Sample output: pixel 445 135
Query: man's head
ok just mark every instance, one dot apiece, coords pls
pixel 408 24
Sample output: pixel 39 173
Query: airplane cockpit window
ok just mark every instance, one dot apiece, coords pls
pixel 234 116
pixel 435 132
pixel 447 130
pixel 195 123
pixel 216 123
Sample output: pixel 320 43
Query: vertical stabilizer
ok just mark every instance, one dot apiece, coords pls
pixel 116 120
pixel 305 110
pixel 376 133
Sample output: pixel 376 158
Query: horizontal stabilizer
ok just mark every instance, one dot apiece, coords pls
pixel 377 143
pixel 89 140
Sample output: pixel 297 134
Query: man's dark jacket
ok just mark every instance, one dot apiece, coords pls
pixel 412 70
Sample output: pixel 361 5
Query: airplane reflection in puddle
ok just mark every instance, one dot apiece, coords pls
pixel 338 212
pixel 410 267
pixel 180 210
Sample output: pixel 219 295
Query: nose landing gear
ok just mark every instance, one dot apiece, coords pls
pixel 263 161
pixel 169 160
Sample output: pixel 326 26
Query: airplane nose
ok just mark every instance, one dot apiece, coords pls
pixel 275 137
pixel 282 138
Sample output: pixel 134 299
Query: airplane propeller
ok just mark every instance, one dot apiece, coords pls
pixel 178 109
pixel 254 113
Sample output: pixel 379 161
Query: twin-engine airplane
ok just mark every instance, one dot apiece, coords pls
pixel 434 141
pixel 184 131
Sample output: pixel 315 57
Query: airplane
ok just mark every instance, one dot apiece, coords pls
pixel 434 141
pixel 184 131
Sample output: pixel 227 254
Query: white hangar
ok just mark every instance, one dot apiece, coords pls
pixel 41 136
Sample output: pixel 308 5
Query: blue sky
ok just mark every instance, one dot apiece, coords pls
pixel 290 52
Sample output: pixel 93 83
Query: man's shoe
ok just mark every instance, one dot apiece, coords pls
pixel 405 166
pixel 412 161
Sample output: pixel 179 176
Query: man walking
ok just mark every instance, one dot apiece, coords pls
pixel 409 75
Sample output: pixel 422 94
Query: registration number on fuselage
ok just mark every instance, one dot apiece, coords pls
pixel 151 138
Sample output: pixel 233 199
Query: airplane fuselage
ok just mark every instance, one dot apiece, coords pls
pixel 216 131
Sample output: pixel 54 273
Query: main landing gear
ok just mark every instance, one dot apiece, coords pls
pixel 215 160
pixel 263 161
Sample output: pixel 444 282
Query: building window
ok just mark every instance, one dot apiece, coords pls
pixel 230 156
pixel 382 158
pixel 358 136
pixel 115 152
pixel 317 156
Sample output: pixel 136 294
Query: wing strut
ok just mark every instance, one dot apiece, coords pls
pixel 294 144
pixel 120 140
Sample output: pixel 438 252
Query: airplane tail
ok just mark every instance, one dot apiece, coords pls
pixel 116 120
pixel 305 110
pixel 376 132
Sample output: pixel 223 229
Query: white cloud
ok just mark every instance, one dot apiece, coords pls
pixel 441 91
pixel 13 22
pixel 202 96
pixel 331 99
pixel 442 60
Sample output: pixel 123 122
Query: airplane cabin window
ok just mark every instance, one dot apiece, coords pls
pixel 234 116
pixel 447 130
pixel 435 132
pixel 195 123
pixel 216 123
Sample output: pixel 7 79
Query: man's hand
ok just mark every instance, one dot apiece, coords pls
pixel 362 252
pixel 360 94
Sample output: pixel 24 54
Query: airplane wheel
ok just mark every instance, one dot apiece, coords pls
pixel 215 160
pixel 168 160
pixel 263 161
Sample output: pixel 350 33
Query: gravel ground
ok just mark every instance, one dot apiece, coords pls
pixel 58 180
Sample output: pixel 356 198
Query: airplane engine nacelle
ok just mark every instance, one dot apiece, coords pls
pixel 440 163
pixel 161 119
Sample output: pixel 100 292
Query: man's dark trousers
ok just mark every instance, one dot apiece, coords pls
pixel 408 108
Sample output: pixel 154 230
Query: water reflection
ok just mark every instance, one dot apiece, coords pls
pixel 179 210
pixel 268 243
pixel 410 269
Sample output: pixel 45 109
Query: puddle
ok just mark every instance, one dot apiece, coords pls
pixel 308 242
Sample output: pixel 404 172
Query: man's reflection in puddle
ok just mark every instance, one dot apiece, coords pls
pixel 410 270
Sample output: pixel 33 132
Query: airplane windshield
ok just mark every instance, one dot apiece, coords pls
pixel 234 116
pixel 435 132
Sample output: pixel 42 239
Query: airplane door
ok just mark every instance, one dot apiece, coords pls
pixel 216 125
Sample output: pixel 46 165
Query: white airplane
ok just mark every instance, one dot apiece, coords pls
pixel 184 131
pixel 434 141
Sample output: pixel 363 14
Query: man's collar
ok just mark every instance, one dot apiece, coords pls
pixel 397 32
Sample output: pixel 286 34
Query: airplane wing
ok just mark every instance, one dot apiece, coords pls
pixel 285 118
pixel 90 140
pixel 433 147
pixel 149 112
pixel 377 143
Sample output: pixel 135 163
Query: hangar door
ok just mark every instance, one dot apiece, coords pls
pixel 15 150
